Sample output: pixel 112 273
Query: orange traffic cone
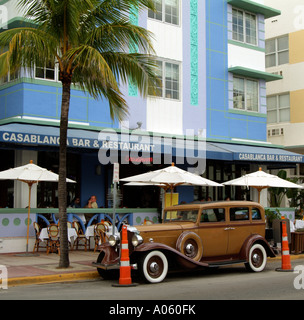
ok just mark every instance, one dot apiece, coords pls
pixel 286 265
pixel 125 268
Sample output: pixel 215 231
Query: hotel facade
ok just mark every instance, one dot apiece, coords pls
pixel 284 56
pixel 210 114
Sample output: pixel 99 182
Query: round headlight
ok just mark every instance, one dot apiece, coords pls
pixel 137 240
pixel 113 239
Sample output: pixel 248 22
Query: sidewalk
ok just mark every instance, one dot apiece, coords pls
pixel 24 270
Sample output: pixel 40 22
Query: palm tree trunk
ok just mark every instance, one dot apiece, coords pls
pixel 62 190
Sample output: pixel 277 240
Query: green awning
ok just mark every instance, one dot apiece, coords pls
pixel 256 74
pixel 255 7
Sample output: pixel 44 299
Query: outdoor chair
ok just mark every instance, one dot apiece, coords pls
pixel 81 239
pixel 37 234
pixel 53 243
pixel 69 225
pixel 100 234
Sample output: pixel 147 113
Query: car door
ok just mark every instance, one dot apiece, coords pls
pixel 212 231
pixel 239 228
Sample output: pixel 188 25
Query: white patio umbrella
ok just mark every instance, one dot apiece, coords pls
pixel 261 180
pixel 30 174
pixel 171 177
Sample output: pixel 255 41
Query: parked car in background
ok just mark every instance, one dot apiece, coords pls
pixel 193 236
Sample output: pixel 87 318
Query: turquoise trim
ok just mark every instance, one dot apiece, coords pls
pixel 194 51
pixel 255 7
pixel 248 113
pixel 133 47
pixel 256 74
pixel 245 45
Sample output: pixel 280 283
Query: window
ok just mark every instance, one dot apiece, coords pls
pixel 168 73
pixel 239 214
pixel 278 108
pixel 47 72
pixel 245 94
pixel 244 27
pixel 166 11
pixel 186 215
pixel 10 77
pixel 277 51
pixel 213 215
pixel 256 214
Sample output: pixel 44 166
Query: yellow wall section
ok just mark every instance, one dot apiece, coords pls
pixel 296 47
pixel 297 106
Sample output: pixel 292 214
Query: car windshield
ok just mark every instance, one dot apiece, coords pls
pixel 181 215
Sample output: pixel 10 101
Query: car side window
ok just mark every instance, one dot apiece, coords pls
pixel 239 214
pixel 256 214
pixel 213 215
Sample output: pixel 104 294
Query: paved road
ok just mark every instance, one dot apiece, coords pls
pixel 232 282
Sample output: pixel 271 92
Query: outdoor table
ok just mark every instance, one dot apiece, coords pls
pixel 71 234
pixel 90 231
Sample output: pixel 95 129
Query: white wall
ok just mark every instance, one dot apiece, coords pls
pixel 247 58
pixel 292 78
pixel 166 115
pixel 291 19
pixel 21 189
pixel 12 10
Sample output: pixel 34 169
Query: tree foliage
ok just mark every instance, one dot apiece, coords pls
pixel 90 41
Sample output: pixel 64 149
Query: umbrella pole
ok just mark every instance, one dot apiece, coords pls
pixel 28 216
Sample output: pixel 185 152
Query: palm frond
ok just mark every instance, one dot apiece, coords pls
pixel 119 36
pixel 140 68
pixel 92 42
pixel 27 47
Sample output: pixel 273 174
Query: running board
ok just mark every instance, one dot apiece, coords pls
pixel 111 266
pixel 224 263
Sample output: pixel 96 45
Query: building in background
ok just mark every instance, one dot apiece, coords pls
pixel 211 58
pixel 285 98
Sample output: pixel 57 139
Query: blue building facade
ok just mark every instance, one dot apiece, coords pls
pixel 213 91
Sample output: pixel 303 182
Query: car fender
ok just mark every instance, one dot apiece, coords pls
pixel 248 243
pixel 175 254
pixel 107 255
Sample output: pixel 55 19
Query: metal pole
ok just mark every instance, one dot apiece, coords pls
pixel 114 207
pixel 28 215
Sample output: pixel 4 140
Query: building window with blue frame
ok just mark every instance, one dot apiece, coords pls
pixel 244 27
pixel 245 94
pixel 168 74
pixel 166 11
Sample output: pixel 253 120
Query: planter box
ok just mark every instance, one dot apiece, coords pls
pixel 297 242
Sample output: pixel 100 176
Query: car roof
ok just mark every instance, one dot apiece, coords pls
pixel 208 204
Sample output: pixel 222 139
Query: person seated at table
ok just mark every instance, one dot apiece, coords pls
pixel 75 203
pixel 92 203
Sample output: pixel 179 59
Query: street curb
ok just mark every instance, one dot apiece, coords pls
pixel 62 277
pixel 292 257
pixel 85 275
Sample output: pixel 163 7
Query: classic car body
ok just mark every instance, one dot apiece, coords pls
pixel 193 236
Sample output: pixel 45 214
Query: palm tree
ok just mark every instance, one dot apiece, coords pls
pixel 90 41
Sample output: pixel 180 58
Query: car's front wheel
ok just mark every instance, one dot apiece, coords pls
pixel 257 258
pixel 153 266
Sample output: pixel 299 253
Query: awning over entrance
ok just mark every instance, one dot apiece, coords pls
pixel 241 152
pixel 41 135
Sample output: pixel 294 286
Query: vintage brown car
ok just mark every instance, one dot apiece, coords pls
pixel 209 234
